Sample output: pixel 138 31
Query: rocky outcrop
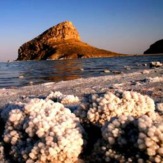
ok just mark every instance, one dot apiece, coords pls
pixel 155 48
pixel 60 42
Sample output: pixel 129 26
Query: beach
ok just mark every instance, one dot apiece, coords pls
pixel 148 82
pixel 136 97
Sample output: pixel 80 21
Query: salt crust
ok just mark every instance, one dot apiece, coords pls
pixel 45 131
pixel 42 131
pixel 160 107
pixel 156 64
pixel 64 99
pixel 140 139
pixel 99 108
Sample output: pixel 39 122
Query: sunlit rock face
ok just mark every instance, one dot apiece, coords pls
pixel 155 48
pixel 60 32
pixel 59 42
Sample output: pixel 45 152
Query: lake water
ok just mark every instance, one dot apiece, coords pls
pixel 15 74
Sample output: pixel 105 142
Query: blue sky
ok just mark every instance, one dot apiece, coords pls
pixel 126 26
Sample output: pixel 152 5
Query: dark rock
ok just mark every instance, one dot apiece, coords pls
pixel 116 72
pixel 155 48
pixel 155 64
pixel 60 42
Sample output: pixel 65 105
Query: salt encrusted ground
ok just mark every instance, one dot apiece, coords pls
pixel 126 129
pixel 147 82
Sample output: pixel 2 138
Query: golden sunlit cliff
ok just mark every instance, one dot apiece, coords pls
pixel 60 42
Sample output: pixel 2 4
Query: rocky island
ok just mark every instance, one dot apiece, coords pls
pixel 60 42
pixel 156 48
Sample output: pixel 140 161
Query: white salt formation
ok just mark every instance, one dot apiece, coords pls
pixel 115 129
pixel 160 107
pixel 122 133
pixel 64 99
pixel 156 64
pixel 99 108
pixel 121 127
pixel 150 138
pixel 9 107
pixel 2 158
pixel 155 79
pixel 130 139
pixel 42 131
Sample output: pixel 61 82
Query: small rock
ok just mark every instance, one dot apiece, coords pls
pixel 159 107
pixel 21 76
pixel 145 64
pixel 23 97
pixel 116 72
pixel 31 82
pixel 156 64
pixel 107 71
pixel 127 67
pixel 145 72
pixel 138 64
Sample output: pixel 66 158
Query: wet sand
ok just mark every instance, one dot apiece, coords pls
pixel 148 82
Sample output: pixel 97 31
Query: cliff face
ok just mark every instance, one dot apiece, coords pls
pixel 155 48
pixel 60 42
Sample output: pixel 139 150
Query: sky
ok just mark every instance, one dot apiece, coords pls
pixel 124 26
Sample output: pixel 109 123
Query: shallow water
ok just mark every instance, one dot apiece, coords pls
pixel 23 73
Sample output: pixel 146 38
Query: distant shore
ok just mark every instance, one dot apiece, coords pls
pixel 126 55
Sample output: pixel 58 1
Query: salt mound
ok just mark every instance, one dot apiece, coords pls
pixel 99 108
pixel 156 64
pixel 42 131
pixel 150 138
pixel 64 99
pixel 160 107
pixel 2 159
pixel 120 127
pixel 130 139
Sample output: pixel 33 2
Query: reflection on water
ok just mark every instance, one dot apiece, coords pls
pixel 66 70
pixel 64 78
pixel 25 72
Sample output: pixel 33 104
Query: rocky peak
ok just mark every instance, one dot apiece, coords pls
pixel 60 32
pixel 61 41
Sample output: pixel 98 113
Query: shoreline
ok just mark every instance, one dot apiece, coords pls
pixel 147 82
pixel 128 110
pixel 125 55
